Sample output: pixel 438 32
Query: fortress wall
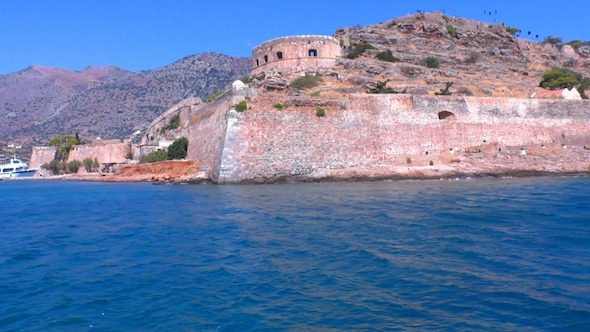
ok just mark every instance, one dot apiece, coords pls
pixel 41 155
pixel 292 54
pixel 206 133
pixel 106 153
pixel 383 130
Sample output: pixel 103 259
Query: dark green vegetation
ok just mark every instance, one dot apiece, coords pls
pixel 386 56
pixel 358 49
pixel 381 87
pixel 306 82
pixel 241 106
pixel 178 149
pixel 154 156
pixel 320 112
pixel 432 62
pixel 512 31
pixel 279 106
pixel 63 145
pixel 90 165
pixel 452 31
pixel 174 123
pixel 560 78
pixel 445 91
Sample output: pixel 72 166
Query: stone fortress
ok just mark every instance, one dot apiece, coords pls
pixel 365 136
pixel 295 54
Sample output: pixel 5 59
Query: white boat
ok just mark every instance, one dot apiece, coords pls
pixel 15 168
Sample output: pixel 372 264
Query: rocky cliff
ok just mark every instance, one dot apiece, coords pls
pixel 481 59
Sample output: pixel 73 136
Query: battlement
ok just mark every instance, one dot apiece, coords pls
pixel 295 53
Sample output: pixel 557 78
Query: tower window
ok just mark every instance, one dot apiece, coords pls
pixel 279 55
pixel 312 53
pixel 266 58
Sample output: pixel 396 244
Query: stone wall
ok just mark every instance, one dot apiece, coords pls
pixel 41 155
pixel 295 54
pixel 205 132
pixel 107 152
pixel 263 143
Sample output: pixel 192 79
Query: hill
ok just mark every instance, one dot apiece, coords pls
pixel 38 103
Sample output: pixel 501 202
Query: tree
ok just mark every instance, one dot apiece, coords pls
pixel 63 145
pixel 178 149
pixel 560 78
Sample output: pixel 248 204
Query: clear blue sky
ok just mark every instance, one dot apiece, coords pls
pixel 138 35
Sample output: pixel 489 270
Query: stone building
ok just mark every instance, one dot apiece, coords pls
pixel 295 54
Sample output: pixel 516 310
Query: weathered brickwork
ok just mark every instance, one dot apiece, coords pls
pixel 106 152
pixel 263 143
pixel 205 131
pixel 41 155
pixel 295 54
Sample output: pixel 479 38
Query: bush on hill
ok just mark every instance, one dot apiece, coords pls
pixel 358 49
pixel 305 82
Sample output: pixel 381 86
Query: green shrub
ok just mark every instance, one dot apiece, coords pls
pixel 306 82
pixel 381 87
pixel 279 106
pixel 73 166
pixel 445 91
pixel 386 56
pixel 154 156
pixel 88 164
pixel 452 31
pixel 431 163
pixel 320 112
pixel 241 106
pixel 555 41
pixel 512 31
pixel 178 149
pixel 95 164
pixel 129 156
pixel 174 122
pixel 432 62
pixel 358 49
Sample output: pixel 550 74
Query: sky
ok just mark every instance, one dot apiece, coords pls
pixel 141 35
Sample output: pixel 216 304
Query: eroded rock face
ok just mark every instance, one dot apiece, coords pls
pixel 484 58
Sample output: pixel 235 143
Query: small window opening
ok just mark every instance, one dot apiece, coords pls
pixel 257 62
pixel 446 115
pixel 266 58
pixel 279 55
pixel 313 53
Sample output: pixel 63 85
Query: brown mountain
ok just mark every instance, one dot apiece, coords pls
pixel 38 103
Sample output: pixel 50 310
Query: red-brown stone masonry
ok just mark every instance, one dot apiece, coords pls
pixel 206 134
pixel 383 131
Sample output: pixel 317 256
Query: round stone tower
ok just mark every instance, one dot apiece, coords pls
pixel 295 54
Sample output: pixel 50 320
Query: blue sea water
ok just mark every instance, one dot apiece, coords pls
pixel 503 254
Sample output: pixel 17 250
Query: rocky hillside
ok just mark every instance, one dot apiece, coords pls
pixel 38 103
pixel 480 59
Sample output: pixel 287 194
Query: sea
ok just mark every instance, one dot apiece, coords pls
pixel 445 255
